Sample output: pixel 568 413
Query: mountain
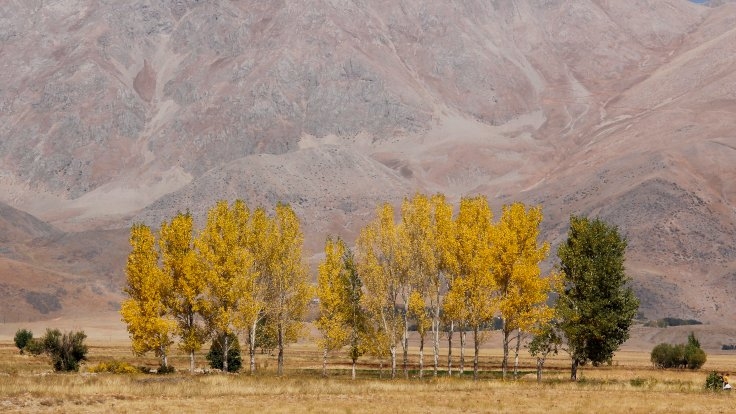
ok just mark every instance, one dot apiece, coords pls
pixel 115 112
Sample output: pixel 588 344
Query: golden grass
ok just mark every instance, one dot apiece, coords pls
pixel 629 385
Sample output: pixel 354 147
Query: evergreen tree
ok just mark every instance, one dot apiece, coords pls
pixel 215 355
pixel 596 306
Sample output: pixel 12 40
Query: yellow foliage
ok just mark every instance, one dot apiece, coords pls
pixel 144 311
pixel 382 264
pixel 470 299
pixel 184 301
pixel 333 301
pixel 516 256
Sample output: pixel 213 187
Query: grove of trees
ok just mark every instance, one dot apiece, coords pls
pixel 428 267
pixel 242 268
pixel 688 355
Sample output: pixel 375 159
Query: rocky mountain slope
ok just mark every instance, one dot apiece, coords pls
pixel 113 112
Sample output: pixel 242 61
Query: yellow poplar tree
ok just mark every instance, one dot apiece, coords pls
pixel 516 256
pixel 333 303
pixel 259 229
pixel 184 302
pixel 144 311
pixel 418 237
pixel 342 319
pixel 471 293
pixel 228 270
pixel 382 264
pixel 444 248
pixel 288 289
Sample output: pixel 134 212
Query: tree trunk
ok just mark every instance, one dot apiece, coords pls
pixel 449 348
pixel 574 370
pixel 505 360
pixel 516 353
pixel 252 347
pixel 164 358
pixel 476 347
pixel 280 369
pixel 462 351
pixel 421 357
pixel 405 341
pixel 225 351
pixel 393 361
pixel 324 363
pixel 540 365
pixel 354 361
pixel 191 362
pixel 436 332
pixel 380 368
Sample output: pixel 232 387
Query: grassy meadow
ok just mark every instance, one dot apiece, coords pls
pixel 629 385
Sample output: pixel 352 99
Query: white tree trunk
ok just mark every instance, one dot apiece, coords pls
pixel 449 348
pixel 324 363
pixel 462 351
pixel 252 347
pixel 421 357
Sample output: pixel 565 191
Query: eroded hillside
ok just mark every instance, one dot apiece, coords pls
pixel 113 112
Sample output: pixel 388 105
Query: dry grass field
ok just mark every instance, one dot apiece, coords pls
pixel 629 385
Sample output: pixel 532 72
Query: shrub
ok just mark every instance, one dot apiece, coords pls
pixel 695 357
pixel 714 381
pixel 669 321
pixel 34 347
pixel 679 356
pixel 668 356
pixel 67 351
pixel 22 338
pixel 114 367
pixel 166 369
pixel 234 362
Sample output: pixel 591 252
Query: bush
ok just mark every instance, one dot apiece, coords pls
pixel 34 347
pixel 67 351
pixel 234 362
pixel 679 356
pixel 114 367
pixel 714 381
pixel 167 369
pixel 669 321
pixel 668 356
pixel 22 338
pixel 694 357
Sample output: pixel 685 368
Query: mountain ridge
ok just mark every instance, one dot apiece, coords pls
pixel 125 112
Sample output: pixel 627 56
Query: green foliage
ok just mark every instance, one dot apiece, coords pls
pixel 267 336
pixel 165 369
pixel 694 357
pixel 66 350
pixel 22 338
pixel 596 307
pixel 214 356
pixel 546 342
pixel 688 355
pixel 668 356
pixel 34 347
pixel 665 322
pixel 714 381
pixel 114 367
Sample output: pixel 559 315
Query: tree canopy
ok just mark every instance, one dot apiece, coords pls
pixel 597 305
